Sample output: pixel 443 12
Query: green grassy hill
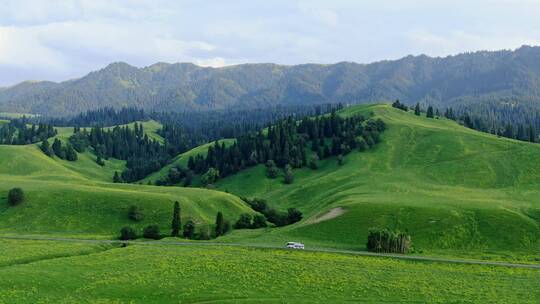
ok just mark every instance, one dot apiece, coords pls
pixel 182 160
pixel 452 188
pixel 455 190
pixel 77 198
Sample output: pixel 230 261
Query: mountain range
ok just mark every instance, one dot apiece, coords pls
pixel 468 78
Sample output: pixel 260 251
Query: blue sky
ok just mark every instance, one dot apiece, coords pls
pixel 59 40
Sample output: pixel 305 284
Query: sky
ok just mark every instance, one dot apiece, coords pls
pixel 60 40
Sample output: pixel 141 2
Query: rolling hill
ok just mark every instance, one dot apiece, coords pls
pixel 78 198
pixel 501 77
pixel 458 192
pixel 455 190
pixel 452 188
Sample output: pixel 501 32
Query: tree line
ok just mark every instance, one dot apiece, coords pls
pixel 181 131
pixel 142 154
pixel 284 145
pixel 514 121
pixel 17 132
pixel 269 214
pixel 59 150
pixel 188 230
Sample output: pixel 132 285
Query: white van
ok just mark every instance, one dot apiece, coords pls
pixel 295 245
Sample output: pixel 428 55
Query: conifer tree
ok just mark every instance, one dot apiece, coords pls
pixel 116 177
pixel 175 225
pixel 340 160
pixel 417 109
pixel 220 224
pixel 429 113
pixel 313 162
pixel 46 148
pixel 189 229
pixel 289 177
pixel 71 155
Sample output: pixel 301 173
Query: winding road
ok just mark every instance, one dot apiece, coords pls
pixel 361 253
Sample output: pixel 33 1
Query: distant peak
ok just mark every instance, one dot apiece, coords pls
pixel 119 65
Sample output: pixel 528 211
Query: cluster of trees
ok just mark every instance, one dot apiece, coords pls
pixel 176 175
pixel 184 131
pixel 181 131
pixel 284 144
pixel 246 221
pixel 398 105
pixel 143 155
pixel 508 123
pixel 66 152
pixel 15 196
pixel 506 120
pixel 387 241
pixel 269 214
pixel 106 116
pixel 222 226
pixel 16 132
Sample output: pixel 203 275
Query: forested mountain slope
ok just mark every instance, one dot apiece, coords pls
pixel 482 77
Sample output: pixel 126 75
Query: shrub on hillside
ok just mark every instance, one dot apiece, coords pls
pixel 313 162
pixel 259 221
pixel 152 232
pixel 293 215
pixel 272 170
pixel 189 229
pixel 289 177
pixel 204 234
pixel 279 219
pixel 244 222
pixel 135 214
pixel 15 196
pixel 127 233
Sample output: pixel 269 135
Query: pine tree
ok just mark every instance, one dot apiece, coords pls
pixel 340 160
pixel 313 162
pixel 189 229
pixel 417 109
pixel 117 178
pixel 289 177
pixel 429 113
pixel 46 148
pixel 533 136
pixel 271 169
pixel 71 154
pixel 220 224
pixel 57 148
pixel 176 220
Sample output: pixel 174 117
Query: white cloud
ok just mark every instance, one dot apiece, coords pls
pixel 18 48
pixel 64 39
pixel 216 62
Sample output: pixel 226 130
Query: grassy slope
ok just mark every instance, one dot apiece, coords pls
pixel 182 160
pixel 75 197
pixel 203 274
pixel 150 127
pixel 451 187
